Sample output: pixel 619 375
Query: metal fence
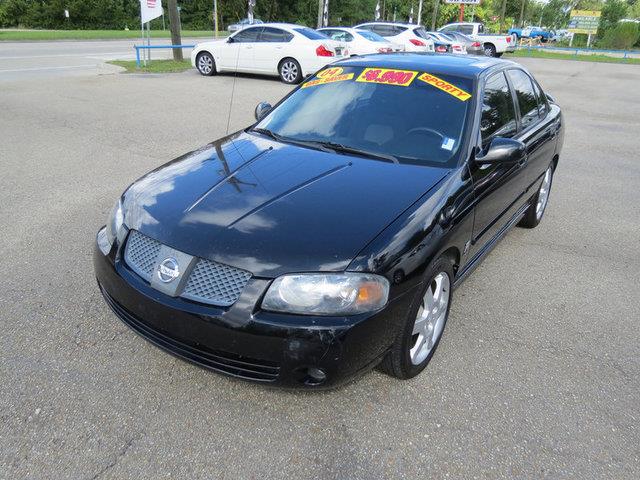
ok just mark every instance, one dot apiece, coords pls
pixel 150 47
pixel 578 51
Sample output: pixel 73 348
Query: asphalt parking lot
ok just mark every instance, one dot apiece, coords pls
pixel 537 375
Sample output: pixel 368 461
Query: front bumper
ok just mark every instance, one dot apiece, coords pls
pixel 244 341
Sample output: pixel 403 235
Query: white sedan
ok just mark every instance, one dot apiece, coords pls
pixel 360 42
pixel 289 51
pixel 412 37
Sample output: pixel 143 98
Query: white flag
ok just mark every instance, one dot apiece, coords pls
pixel 411 15
pixel 377 15
pixel 150 9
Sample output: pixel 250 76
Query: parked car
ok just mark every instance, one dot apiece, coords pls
pixel 471 46
pixel 452 45
pixel 494 45
pixel 290 51
pixel 329 236
pixel 245 22
pixel 412 37
pixel 360 42
pixel 515 32
pixel 537 32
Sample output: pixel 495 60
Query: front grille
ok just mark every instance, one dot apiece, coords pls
pixel 215 283
pixel 209 282
pixel 141 254
pixel 224 362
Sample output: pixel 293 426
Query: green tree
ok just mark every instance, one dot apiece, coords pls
pixel 612 12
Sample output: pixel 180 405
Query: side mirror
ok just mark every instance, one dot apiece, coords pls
pixel 550 98
pixel 504 151
pixel 262 109
pixel 230 40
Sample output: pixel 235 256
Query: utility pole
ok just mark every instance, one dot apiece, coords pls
pixel 502 12
pixel 521 22
pixel 174 24
pixel 435 15
pixel 419 22
pixel 320 12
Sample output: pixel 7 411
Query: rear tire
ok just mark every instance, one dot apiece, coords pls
pixel 290 71
pixel 426 319
pixel 489 50
pixel 205 64
pixel 535 212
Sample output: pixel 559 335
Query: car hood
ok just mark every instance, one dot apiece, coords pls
pixel 273 208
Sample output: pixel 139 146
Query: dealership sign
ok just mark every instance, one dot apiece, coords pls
pixel 584 21
pixel 150 9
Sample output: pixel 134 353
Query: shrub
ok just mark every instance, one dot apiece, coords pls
pixel 622 37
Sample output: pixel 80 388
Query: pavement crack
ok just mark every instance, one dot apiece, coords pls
pixel 118 457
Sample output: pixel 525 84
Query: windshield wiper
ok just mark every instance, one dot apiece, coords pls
pixel 338 147
pixel 293 141
pixel 268 133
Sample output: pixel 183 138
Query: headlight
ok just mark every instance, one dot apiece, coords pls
pixel 114 222
pixel 327 294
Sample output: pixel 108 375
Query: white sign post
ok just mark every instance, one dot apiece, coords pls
pixel 149 10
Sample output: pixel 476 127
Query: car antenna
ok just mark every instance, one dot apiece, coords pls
pixel 233 89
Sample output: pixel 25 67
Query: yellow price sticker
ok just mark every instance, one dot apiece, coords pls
pixel 387 76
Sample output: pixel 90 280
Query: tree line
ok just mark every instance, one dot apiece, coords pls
pixel 198 14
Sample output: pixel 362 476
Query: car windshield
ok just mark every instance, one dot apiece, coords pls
pixel 311 34
pixel 420 32
pixel 398 115
pixel 371 36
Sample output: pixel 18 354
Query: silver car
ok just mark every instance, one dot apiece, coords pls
pixel 244 23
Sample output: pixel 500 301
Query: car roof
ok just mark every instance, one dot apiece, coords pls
pixel 457 65
pixel 279 25
pixel 409 25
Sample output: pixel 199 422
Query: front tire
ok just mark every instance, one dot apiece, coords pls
pixel 420 336
pixel 205 64
pixel 290 71
pixel 535 212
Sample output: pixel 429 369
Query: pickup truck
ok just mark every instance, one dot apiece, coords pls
pixel 494 45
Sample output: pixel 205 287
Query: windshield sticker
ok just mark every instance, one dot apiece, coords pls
pixel 447 143
pixel 401 78
pixel 329 75
pixel 445 86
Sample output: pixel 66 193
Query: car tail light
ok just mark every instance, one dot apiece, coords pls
pixel 475 44
pixel 416 42
pixel 509 39
pixel 457 48
pixel 441 49
pixel 322 51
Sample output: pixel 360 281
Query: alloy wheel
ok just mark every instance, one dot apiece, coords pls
pixel 430 318
pixel 543 194
pixel 289 71
pixel 205 64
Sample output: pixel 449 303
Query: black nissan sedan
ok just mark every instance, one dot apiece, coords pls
pixel 328 237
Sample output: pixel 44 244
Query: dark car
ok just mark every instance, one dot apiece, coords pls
pixel 473 46
pixel 328 237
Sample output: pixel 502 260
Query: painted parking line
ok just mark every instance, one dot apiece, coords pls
pixel 36 69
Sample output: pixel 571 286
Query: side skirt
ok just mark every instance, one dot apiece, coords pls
pixel 475 261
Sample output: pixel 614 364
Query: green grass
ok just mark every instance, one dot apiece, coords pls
pixel 154 66
pixel 570 56
pixel 16 35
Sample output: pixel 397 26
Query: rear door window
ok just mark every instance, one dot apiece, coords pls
pixel 526 95
pixel 498 112
pixel 270 34
pixel 542 101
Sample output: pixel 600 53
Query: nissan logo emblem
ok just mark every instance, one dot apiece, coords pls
pixel 168 270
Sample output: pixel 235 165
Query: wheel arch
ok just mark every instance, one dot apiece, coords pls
pixel 213 58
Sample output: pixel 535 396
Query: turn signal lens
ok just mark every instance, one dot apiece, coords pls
pixel 322 51
pixel 327 294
